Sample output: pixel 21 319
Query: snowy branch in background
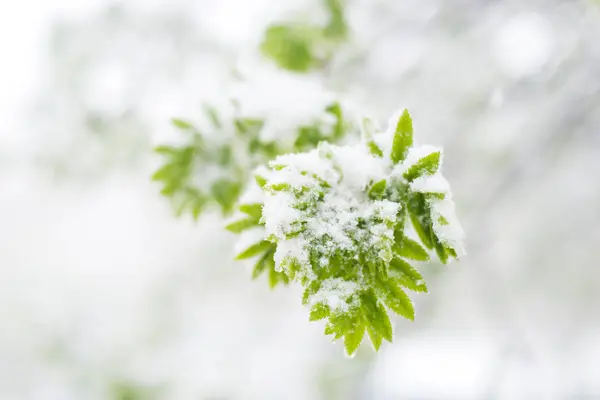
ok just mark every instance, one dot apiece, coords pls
pixel 212 165
pixel 346 222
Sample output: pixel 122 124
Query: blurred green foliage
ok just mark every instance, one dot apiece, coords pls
pixel 301 47
pixel 213 168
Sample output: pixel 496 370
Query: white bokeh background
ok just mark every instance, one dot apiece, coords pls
pixel 101 288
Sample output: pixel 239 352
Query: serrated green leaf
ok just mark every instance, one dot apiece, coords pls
pixel 397 300
pixel 254 250
pixel 427 165
pixel 319 311
pixel 353 338
pixel 407 276
pixel 312 288
pixel 408 248
pixel 376 338
pixel 332 329
pixel 242 225
pixel 377 316
pixel 403 138
pixel 377 191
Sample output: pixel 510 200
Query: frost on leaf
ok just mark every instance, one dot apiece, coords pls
pixel 336 219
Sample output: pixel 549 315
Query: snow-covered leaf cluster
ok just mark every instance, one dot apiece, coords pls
pixel 338 219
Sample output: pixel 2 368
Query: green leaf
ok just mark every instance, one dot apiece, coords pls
pixel 337 27
pixel 253 210
pixel 308 138
pixel 242 225
pixel 280 187
pixel 226 193
pixel 249 126
pixel 182 124
pixel 377 316
pixel 291 47
pixel 397 300
pixel 197 206
pixel 427 165
pixel 213 116
pixel 312 288
pixel 376 338
pixel 266 262
pixel 353 338
pixel 451 251
pixel 367 136
pixel 403 138
pixel 408 248
pixel 276 277
pixel 407 276
pixel 254 250
pixel 319 311
pixel 440 249
pixel 165 150
pixel 335 330
pixel 377 191
pixel 420 216
pixel 260 181
pixel 339 129
pixel 374 149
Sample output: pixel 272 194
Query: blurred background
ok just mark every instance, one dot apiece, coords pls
pixel 105 294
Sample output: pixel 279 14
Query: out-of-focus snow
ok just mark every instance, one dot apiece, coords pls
pixel 523 44
pixel 100 284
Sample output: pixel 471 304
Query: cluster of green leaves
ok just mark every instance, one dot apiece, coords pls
pixel 262 251
pixel 378 269
pixel 233 150
pixel 301 47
